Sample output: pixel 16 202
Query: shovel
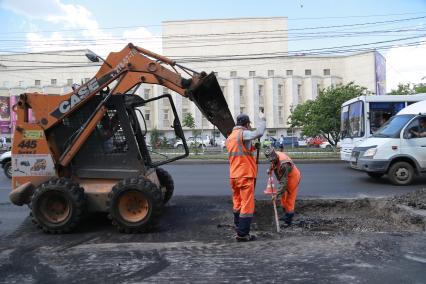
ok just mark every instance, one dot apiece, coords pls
pixel 276 214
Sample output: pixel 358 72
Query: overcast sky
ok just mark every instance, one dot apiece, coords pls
pixel 105 26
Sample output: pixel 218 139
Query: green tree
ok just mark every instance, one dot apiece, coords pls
pixel 403 89
pixel 155 137
pixel 188 121
pixel 420 88
pixel 321 117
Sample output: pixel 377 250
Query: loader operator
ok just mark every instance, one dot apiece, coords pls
pixel 288 176
pixel 243 172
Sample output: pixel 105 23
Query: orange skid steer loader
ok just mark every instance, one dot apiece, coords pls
pixel 93 147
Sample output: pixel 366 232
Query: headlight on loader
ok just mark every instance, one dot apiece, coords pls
pixel 370 152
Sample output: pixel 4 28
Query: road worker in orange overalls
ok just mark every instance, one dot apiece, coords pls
pixel 243 172
pixel 288 176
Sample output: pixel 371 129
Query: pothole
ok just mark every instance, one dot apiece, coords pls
pixel 398 214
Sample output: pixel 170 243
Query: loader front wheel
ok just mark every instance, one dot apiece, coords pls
pixel 166 181
pixel 57 206
pixel 134 205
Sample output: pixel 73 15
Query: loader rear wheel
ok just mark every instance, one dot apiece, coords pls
pixel 57 206
pixel 134 205
pixel 166 181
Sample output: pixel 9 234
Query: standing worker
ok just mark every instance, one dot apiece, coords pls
pixel 288 176
pixel 243 172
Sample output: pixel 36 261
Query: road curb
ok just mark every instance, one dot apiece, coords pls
pixel 296 161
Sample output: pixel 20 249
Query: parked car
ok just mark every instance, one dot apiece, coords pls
pixel 290 141
pixel 191 142
pixel 6 163
pixel 302 142
pixel 315 141
pixel 327 145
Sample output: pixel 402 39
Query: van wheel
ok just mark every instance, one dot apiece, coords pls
pixel 375 175
pixel 401 173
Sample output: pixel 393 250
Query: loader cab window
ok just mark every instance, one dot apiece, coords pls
pixel 111 133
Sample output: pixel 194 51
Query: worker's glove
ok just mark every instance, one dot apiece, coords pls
pixel 257 145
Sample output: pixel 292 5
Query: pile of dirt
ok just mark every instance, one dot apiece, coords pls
pixel 350 215
pixel 415 199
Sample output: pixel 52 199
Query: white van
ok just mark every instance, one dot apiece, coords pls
pixel 397 149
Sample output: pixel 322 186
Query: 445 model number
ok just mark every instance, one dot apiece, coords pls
pixel 30 144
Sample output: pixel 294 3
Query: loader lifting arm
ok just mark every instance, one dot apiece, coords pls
pixel 130 67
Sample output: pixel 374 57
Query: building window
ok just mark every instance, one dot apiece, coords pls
pixel 308 72
pixel 318 88
pixel 241 110
pixel 241 94
pixel 37 82
pixel 165 114
pixel 6 84
pixel 280 93
pixel 165 90
pixel 146 93
pixel 184 112
pixel 53 82
pixel 252 73
pixel 147 114
pixel 21 83
pixel 326 72
pixel 222 88
pixel 261 97
pixel 270 73
pixel 233 74
pixel 299 93
pixel 69 82
pixel 289 72
pixel 280 112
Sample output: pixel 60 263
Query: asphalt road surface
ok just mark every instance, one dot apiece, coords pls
pixel 325 180
pixel 347 241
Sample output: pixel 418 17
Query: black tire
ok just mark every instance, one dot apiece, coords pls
pixel 57 206
pixel 166 180
pixel 375 175
pixel 180 147
pixel 8 169
pixel 134 205
pixel 401 173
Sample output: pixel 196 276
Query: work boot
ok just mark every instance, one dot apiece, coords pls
pixel 287 218
pixel 246 238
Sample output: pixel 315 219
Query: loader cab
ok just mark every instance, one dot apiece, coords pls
pixel 118 147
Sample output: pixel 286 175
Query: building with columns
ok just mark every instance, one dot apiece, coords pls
pixel 249 56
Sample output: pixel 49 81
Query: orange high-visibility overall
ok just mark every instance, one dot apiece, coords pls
pixel 242 173
pixel 288 199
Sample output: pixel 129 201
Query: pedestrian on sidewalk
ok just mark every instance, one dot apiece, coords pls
pixel 288 176
pixel 243 172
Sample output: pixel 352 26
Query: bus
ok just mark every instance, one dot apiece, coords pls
pixel 364 115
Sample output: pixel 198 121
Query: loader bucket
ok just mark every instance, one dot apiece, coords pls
pixel 209 98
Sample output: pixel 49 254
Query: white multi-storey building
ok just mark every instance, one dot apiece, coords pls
pixel 249 56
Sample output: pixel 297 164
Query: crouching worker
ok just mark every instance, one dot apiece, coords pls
pixel 243 172
pixel 288 176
